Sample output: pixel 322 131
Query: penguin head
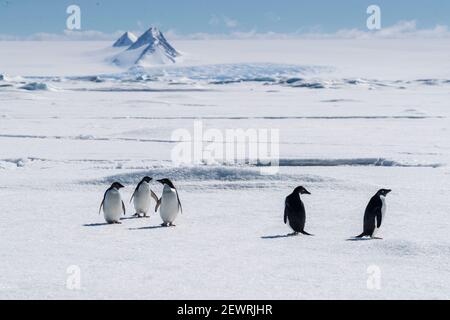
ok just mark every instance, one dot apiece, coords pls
pixel 301 190
pixel 147 179
pixel 117 185
pixel 166 181
pixel 383 192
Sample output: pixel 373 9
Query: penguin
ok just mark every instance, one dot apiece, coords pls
pixel 294 211
pixel 112 204
pixel 169 202
pixel 142 197
pixel 374 214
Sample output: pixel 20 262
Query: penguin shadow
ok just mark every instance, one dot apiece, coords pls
pixel 148 228
pixel 96 224
pixel 280 236
pixel 133 218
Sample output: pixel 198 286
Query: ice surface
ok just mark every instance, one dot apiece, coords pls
pixel 32 86
pixel 353 116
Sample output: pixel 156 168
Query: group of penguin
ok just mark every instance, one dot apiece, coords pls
pixel 170 205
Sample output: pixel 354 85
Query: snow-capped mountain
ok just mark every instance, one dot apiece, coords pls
pixel 149 49
pixel 127 39
pixel 152 38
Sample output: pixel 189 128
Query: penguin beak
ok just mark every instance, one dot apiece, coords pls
pixel 388 191
pixel 307 192
pixel 121 186
pixel 160 181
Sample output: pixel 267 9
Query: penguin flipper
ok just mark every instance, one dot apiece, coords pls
pixel 286 213
pixel 135 190
pixel 103 201
pixel 179 202
pixel 379 218
pixel 123 208
pixel 306 233
pixel 286 210
pixel 154 196
pixel 158 203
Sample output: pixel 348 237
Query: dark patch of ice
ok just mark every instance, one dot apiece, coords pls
pixel 35 86
pixel 207 173
pixel 376 162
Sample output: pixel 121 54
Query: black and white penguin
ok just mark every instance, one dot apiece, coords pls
pixel 142 196
pixel 169 203
pixel 294 211
pixel 112 204
pixel 374 214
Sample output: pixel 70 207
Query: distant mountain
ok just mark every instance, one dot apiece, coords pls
pixel 152 38
pixel 149 49
pixel 127 39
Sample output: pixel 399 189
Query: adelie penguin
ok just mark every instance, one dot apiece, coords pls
pixel 169 203
pixel 374 214
pixel 294 211
pixel 142 196
pixel 112 204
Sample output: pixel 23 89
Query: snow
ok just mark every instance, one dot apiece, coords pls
pixel 374 120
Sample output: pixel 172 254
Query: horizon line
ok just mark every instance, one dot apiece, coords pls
pixel 399 30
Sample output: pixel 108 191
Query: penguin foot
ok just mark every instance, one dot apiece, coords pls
pixel 172 224
pixel 117 222
pixel 376 238
pixel 164 224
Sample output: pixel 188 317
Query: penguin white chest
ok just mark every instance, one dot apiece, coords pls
pixel 112 206
pixel 383 206
pixel 142 199
pixel 383 212
pixel 169 205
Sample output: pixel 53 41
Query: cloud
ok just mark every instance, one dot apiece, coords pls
pixel 66 35
pixel 223 20
pixel 214 20
pixel 230 23
pixel 7 37
pixel 400 30
pixel 272 16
